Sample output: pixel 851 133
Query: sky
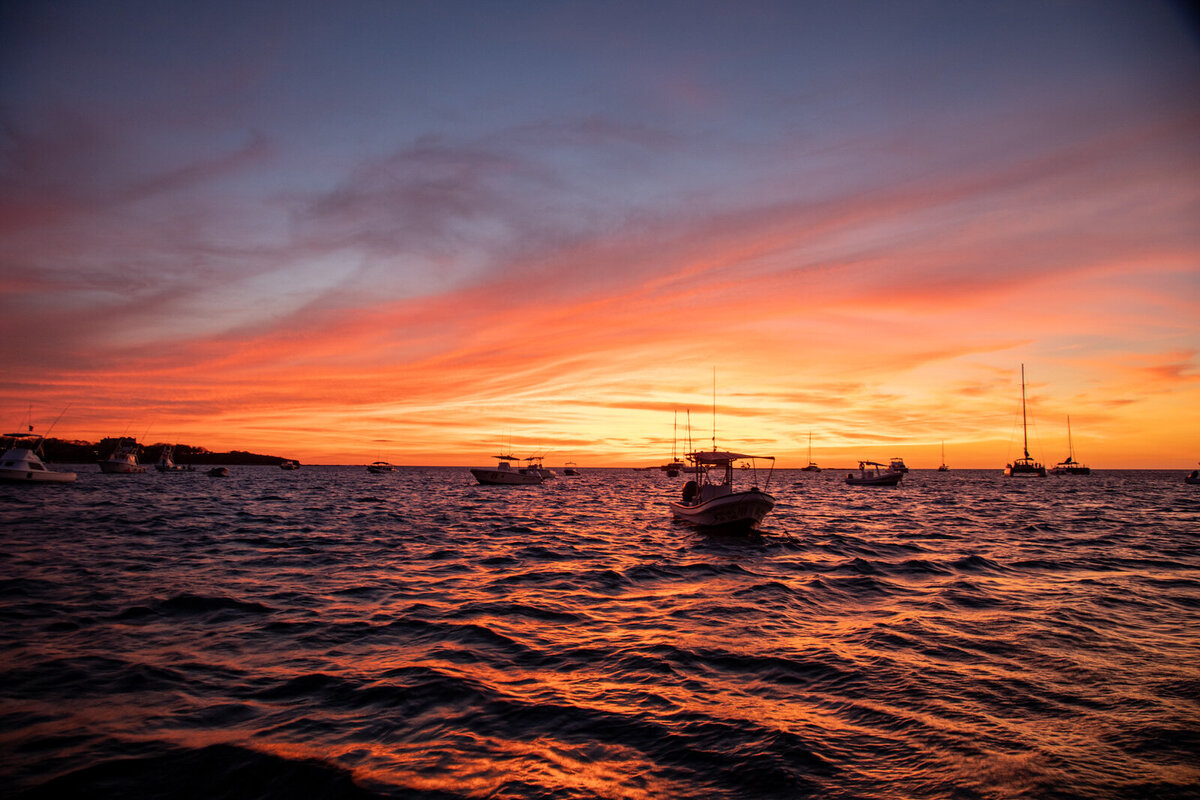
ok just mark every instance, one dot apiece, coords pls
pixel 429 232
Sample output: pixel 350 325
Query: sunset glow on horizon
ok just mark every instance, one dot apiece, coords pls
pixel 428 233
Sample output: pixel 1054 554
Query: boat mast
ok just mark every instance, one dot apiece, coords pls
pixel 1070 444
pixel 1024 421
pixel 714 409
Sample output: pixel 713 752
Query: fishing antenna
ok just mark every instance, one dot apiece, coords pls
pixel 56 419
pixel 714 409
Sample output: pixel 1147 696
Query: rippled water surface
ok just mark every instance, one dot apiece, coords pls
pixel 331 633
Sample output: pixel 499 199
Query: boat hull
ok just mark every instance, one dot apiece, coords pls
pixel 121 468
pixel 502 477
pixel 736 511
pixel 1073 470
pixel 35 476
pixel 1021 471
pixel 883 479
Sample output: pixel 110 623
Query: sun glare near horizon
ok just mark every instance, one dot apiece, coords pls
pixel 313 234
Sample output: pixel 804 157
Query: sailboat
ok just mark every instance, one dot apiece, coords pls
pixel 943 467
pixel 1026 466
pixel 675 466
pixel 1070 466
pixel 812 465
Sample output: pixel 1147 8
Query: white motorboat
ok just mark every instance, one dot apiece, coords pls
pixel 166 463
pixel 289 464
pixel 712 502
pixel 898 465
pixel 1025 466
pixel 872 473
pixel 503 474
pixel 379 467
pixel 571 470
pixel 21 462
pixel 123 459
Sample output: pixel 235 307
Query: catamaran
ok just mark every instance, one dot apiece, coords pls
pixel 1070 466
pixel 1025 466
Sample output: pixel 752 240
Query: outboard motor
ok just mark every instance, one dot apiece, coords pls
pixel 690 490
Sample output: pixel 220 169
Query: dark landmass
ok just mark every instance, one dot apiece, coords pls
pixel 62 451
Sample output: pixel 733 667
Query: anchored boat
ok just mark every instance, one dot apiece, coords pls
pixel 123 459
pixel 872 473
pixel 503 474
pixel 22 463
pixel 1070 466
pixel 1026 466
pixel 812 465
pixel 712 501
pixel 166 463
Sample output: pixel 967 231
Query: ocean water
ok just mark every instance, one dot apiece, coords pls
pixel 331 633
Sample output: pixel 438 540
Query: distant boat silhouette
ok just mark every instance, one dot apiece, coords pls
pixel 871 473
pixel 943 467
pixel 1070 466
pixel 167 464
pixel 503 473
pixel 1025 466
pixel 812 465
pixel 123 459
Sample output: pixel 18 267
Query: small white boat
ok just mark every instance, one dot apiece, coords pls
pixel 123 459
pixel 503 474
pixel 166 463
pixel 21 462
pixel 571 470
pixel 218 472
pixel 872 473
pixel 898 465
pixel 378 467
pixel 712 502
pixel 289 464
pixel 1026 466
pixel 943 467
